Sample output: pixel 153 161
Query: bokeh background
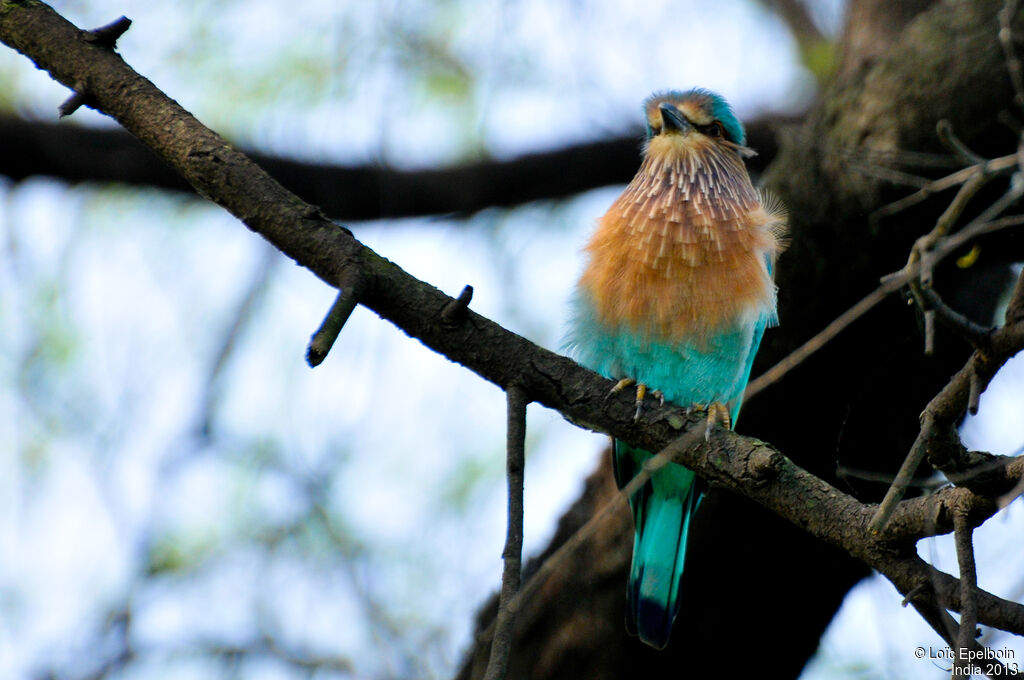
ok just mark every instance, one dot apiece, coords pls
pixel 182 497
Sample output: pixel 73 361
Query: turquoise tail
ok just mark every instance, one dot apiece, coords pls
pixel 662 512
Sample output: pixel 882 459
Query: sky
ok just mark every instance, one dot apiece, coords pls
pixel 114 302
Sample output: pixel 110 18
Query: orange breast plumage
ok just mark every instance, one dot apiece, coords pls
pixel 683 251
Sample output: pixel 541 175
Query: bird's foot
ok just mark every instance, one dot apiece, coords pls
pixel 641 392
pixel 621 385
pixel 717 414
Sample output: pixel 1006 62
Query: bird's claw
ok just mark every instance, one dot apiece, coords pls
pixel 641 392
pixel 621 385
pixel 717 413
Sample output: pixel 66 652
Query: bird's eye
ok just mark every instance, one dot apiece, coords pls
pixel 715 130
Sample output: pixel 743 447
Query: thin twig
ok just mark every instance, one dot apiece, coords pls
pixel 891 175
pixel 972 231
pixel 994 166
pixel 944 129
pixel 974 395
pixel 508 602
pixel 963 533
pixel 800 354
pixel 847 472
pixel 929 331
pixel 914 592
pixel 1011 495
pixel 455 310
pixel 956 208
pixel 323 340
pixel 75 101
pixel 903 480
pixel 949 626
pixel 974 333
pixel 922 250
pixel 106 36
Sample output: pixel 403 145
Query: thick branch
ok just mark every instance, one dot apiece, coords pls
pixel 350 192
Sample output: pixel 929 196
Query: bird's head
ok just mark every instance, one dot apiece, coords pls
pixel 692 120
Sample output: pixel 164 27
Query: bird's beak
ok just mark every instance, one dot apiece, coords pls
pixel 672 119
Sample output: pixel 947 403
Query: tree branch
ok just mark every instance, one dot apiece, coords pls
pixel 965 639
pixel 353 192
pixel 501 644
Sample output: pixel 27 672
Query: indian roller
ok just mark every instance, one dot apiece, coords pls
pixel 676 294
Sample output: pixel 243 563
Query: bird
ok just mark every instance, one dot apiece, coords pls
pixel 675 295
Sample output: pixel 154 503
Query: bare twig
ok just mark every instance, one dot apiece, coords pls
pixel 106 36
pixel 349 289
pixel 940 602
pixel 922 250
pixel 74 102
pixel 902 482
pixel 800 354
pixel 455 310
pixel 994 166
pixel 963 534
pixel 949 139
pixel 847 472
pixel 891 175
pixel 974 333
pixel 949 216
pixel 501 645
pixel 1011 495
